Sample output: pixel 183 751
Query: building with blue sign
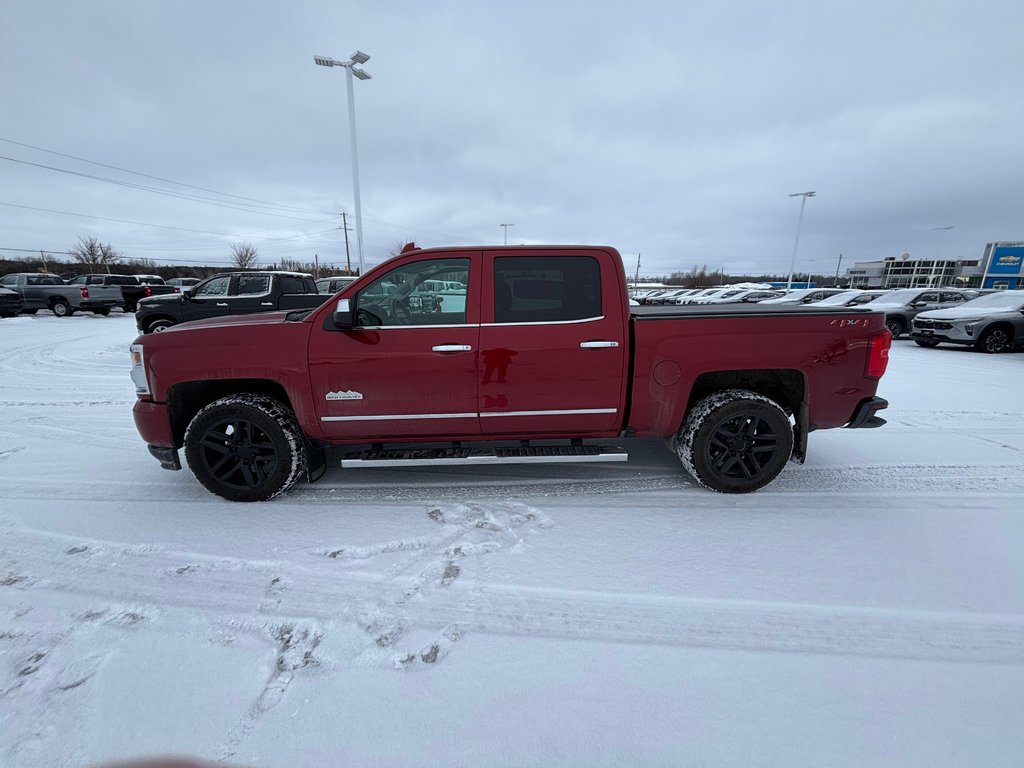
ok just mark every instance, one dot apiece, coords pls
pixel 1004 266
pixel 1000 268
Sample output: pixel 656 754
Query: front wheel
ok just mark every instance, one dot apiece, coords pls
pixel 895 327
pixel 926 343
pixel 159 325
pixel 994 340
pixel 245 447
pixel 735 441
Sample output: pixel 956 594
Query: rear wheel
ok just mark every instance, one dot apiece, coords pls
pixel 245 447
pixel 735 441
pixel 61 308
pixel 895 326
pixel 926 343
pixel 994 340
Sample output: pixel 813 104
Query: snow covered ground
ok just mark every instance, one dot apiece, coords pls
pixel 865 609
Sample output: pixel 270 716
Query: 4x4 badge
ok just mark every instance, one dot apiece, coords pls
pixel 346 395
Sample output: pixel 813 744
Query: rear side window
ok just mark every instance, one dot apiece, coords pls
pixel 546 289
pixel 292 284
pixel 253 285
pixel 43 280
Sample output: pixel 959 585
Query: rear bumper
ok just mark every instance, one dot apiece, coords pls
pixel 90 304
pixel 918 336
pixel 864 417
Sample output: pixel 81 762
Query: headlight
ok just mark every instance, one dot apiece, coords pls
pixel 139 370
pixel 969 321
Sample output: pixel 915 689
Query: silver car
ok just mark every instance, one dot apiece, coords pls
pixel 992 323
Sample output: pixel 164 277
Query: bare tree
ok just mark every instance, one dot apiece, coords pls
pixel 92 253
pixel 244 256
pixel 395 249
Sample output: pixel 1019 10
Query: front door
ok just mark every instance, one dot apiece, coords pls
pixel 208 299
pixel 407 369
pixel 553 345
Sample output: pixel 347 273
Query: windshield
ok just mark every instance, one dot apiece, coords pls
pixel 838 299
pixel 1006 300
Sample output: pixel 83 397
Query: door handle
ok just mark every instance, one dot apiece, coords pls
pixel 222 303
pixel 266 303
pixel 452 348
pixel 598 344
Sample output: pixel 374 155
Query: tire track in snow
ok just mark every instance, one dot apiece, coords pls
pixel 122 573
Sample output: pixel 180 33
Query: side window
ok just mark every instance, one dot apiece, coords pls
pixel 414 294
pixel 217 286
pixel 9 280
pixel 253 285
pixel 953 297
pixel 531 289
pixel 292 284
pixel 80 280
pixel 931 298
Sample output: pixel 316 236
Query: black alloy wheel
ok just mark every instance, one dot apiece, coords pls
pixel 735 441
pixel 245 447
pixel 895 327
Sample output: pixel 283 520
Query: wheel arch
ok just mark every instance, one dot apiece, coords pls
pixel 186 399
pixel 153 318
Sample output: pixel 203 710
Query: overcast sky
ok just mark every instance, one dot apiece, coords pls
pixel 674 130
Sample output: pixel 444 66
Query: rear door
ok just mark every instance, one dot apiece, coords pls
pixel 552 344
pixel 252 293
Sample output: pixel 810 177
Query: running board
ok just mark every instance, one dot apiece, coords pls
pixel 428 457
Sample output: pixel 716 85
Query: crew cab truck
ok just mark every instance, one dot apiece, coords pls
pixel 131 288
pixel 236 293
pixel 543 348
pixel 40 290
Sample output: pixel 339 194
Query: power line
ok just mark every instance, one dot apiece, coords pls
pixel 119 221
pixel 160 178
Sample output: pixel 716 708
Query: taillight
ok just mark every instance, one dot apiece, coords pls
pixel 85 292
pixel 149 291
pixel 878 355
pixel 177 290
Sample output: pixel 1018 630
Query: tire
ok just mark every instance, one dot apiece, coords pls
pixel 130 308
pixel 61 309
pixel 29 311
pixel 9 314
pixel 895 326
pixel 103 312
pixel 994 341
pixel 717 448
pixel 926 343
pixel 245 447
pixel 159 325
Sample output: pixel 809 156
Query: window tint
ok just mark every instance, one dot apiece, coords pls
pixel 530 289
pixel 217 286
pixel 403 296
pixel 253 285
pixel 292 284
pixel 43 280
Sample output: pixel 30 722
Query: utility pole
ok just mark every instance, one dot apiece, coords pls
pixel 835 283
pixel 348 259
pixel 45 268
pixel 637 278
pixel 316 266
pixel 505 227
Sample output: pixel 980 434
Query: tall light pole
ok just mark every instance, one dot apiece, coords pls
pixel 351 69
pixel 799 223
pixel 505 227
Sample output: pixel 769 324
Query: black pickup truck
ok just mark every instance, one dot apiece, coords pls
pixel 236 293
pixel 133 290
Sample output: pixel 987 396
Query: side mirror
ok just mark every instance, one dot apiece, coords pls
pixel 343 314
pixel 187 294
pixel 919 304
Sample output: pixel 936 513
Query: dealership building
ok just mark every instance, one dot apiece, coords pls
pixel 1000 267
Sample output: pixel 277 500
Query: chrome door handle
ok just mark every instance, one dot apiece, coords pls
pixel 452 348
pixel 266 303
pixel 222 303
pixel 598 344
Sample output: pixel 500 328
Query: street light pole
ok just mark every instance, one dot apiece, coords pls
pixel 938 253
pixel 351 69
pixel 800 221
pixel 505 227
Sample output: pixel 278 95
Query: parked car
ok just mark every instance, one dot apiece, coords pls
pixel 131 288
pixel 332 285
pixel 850 298
pixel 737 296
pixel 903 305
pixel 151 279
pixel 235 293
pixel 183 282
pixel 992 323
pixel 10 303
pixel 543 347
pixel 41 290
pixel 801 296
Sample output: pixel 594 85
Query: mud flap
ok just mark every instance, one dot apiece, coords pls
pixel 316 462
pixel 800 431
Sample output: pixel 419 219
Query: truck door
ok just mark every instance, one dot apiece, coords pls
pixel 251 293
pixel 552 347
pixel 405 370
pixel 208 299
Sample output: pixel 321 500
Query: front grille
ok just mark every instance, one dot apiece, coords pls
pixel 933 324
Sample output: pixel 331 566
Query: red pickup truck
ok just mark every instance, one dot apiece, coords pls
pixel 522 354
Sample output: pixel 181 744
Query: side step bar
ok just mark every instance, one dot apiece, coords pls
pixel 428 457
